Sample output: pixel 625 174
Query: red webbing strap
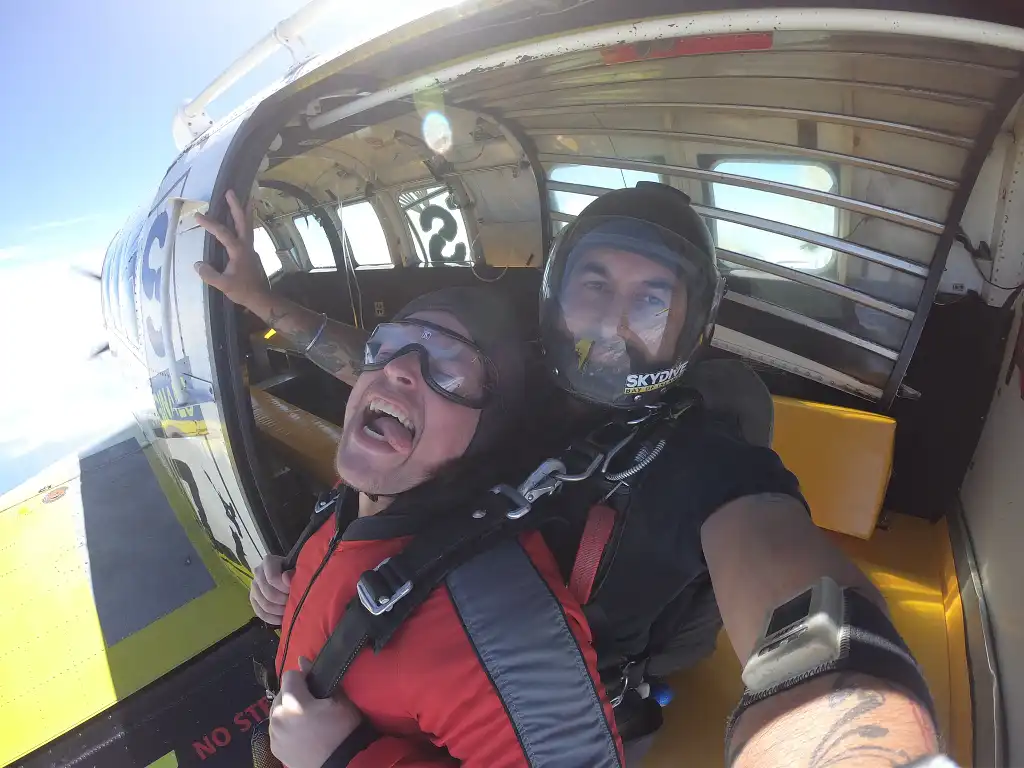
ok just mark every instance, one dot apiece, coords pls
pixel 596 533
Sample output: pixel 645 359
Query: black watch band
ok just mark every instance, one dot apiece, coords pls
pixel 363 736
pixel 871 646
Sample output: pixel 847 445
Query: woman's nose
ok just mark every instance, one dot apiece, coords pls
pixel 404 370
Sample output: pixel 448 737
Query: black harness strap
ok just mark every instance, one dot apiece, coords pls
pixel 387 595
pixel 526 646
pixel 325 505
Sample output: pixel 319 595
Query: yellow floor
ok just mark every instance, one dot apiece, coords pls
pixel 57 670
pixel 906 562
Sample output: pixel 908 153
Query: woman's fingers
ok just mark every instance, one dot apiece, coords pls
pixel 270 614
pixel 272 570
pixel 209 275
pixel 237 215
pixel 223 234
pixel 270 593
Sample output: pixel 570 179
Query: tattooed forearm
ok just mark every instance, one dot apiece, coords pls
pixel 854 734
pixel 339 348
pixel 845 720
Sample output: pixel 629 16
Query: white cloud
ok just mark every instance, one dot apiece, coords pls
pixel 53 398
pixel 12 252
pixel 61 223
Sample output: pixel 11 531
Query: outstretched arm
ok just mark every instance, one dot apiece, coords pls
pixel 834 721
pixel 761 550
pixel 339 347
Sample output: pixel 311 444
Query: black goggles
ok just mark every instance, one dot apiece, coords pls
pixel 452 365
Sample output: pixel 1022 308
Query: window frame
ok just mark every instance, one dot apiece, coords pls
pixel 293 223
pixel 271 235
pixel 711 163
pixel 335 213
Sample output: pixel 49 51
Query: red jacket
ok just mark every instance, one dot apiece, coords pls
pixel 427 688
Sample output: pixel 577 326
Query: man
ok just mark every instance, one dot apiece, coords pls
pixel 629 296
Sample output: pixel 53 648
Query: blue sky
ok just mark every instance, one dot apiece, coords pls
pixel 88 91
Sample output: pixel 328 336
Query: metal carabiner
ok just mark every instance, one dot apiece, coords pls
pixel 543 480
pixel 614 450
pixel 584 475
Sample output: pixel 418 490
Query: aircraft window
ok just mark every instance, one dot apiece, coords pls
pixel 267 251
pixel 438 228
pixel 318 247
pixel 365 233
pixel 776 249
pixel 573 203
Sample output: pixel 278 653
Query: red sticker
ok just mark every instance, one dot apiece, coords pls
pixel 56 493
pixel 687 46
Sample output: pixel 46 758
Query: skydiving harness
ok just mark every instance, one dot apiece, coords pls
pixel 616 454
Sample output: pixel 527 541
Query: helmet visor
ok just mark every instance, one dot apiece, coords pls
pixel 452 365
pixel 626 303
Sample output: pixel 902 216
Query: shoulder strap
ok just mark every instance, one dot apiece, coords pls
pixel 387 595
pixel 325 505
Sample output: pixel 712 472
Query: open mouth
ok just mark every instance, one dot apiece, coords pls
pixel 387 423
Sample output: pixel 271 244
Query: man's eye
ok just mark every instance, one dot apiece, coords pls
pixel 594 285
pixel 651 301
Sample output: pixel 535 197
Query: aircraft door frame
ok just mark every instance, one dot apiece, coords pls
pixel 185 420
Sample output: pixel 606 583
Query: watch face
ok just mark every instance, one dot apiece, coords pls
pixel 788 614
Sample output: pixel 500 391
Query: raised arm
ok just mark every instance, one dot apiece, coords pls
pixel 761 550
pixel 339 347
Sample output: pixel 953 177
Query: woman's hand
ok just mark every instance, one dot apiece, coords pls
pixel 305 731
pixel 269 591
pixel 243 279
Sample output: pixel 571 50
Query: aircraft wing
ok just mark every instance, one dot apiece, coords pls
pixel 112 601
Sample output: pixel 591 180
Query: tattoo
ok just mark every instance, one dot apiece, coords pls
pixel 330 356
pixel 338 349
pixel 294 329
pixel 848 739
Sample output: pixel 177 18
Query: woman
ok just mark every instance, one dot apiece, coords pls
pixel 428 427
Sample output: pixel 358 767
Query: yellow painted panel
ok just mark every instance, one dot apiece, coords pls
pixel 55 661
pixel 842 458
pixel 170 760
pixel 56 670
pixel 961 715
pixel 905 562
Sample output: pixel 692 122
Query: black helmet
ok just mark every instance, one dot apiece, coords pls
pixel 630 292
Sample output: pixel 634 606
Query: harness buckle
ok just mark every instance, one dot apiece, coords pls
pixel 632 676
pixel 326 500
pixel 543 480
pixel 373 591
pixel 520 503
